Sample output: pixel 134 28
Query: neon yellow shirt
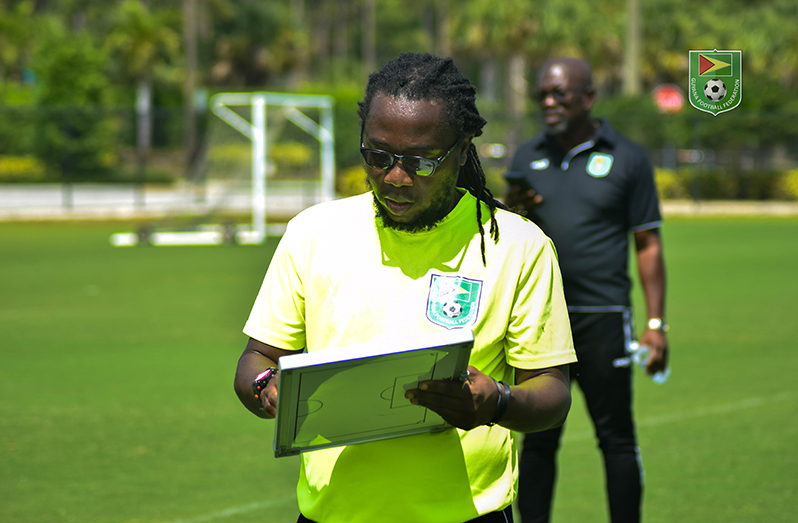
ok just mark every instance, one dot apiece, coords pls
pixel 338 279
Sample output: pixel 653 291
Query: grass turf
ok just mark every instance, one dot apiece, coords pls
pixel 116 368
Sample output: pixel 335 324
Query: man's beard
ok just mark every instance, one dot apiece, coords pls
pixel 427 220
pixel 559 128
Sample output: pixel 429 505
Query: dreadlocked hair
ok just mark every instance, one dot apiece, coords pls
pixel 427 77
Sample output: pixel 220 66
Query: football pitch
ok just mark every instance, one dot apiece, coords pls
pixel 117 404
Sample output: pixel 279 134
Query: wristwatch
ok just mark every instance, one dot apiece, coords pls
pixel 263 379
pixel 656 324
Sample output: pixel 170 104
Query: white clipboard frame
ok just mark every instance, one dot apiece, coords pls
pixel 355 394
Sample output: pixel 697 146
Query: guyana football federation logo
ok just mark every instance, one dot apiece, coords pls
pixel 453 301
pixel 716 80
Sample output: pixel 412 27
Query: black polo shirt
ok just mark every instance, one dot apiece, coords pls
pixel 593 197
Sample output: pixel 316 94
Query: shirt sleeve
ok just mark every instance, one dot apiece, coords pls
pixel 644 212
pixel 539 333
pixel 278 315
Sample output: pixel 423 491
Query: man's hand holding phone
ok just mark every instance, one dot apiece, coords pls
pixel 520 196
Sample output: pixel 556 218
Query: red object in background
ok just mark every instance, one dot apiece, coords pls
pixel 669 99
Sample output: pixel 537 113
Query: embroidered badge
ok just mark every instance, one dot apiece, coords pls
pixel 539 165
pixel 453 301
pixel 599 164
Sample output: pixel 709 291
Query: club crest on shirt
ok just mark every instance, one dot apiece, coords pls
pixel 539 165
pixel 599 165
pixel 453 301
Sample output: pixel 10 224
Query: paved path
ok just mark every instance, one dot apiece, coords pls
pixel 104 202
pixel 729 208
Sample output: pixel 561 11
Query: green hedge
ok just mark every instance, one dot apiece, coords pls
pixel 723 184
pixel 22 169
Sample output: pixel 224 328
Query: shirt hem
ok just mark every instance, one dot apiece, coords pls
pixel 647 226
pixel 554 361
pixel 280 344
pixel 599 308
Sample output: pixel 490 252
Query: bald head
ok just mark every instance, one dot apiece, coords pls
pixel 577 71
pixel 565 96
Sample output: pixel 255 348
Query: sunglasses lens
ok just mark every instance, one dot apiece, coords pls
pixel 423 166
pixel 559 95
pixel 419 165
pixel 377 159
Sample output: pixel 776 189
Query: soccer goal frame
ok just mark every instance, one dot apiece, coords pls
pixel 255 130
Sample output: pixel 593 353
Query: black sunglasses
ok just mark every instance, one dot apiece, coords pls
pixel 559 95
pixel 419 165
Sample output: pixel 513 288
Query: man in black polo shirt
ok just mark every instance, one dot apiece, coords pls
pixel 589 187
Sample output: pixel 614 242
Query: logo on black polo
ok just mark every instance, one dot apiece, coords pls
pixel 539 165
pixel 599 164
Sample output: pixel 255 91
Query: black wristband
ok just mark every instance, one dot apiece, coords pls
pixel 503 403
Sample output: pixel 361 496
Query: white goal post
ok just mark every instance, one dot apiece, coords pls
pixel 256 132
pixel 255 129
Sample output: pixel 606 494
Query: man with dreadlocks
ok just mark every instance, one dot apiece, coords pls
pixel 393 262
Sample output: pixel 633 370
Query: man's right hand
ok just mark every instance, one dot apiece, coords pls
pixel 522 201
pixel 256 358
pixel 268 397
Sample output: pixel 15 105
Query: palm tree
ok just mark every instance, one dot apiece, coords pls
pixel 149 46
pixel 16 39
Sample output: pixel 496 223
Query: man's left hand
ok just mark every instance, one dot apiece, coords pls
pixel 658 343
pixel 464 405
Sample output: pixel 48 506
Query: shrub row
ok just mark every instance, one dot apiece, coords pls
pixel 673 184
pixel 724 184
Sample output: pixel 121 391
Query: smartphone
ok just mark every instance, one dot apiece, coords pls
pixel 516 179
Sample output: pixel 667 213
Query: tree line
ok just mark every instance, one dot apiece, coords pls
pixel 145 54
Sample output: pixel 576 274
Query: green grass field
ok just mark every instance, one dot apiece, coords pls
pixel 116 370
